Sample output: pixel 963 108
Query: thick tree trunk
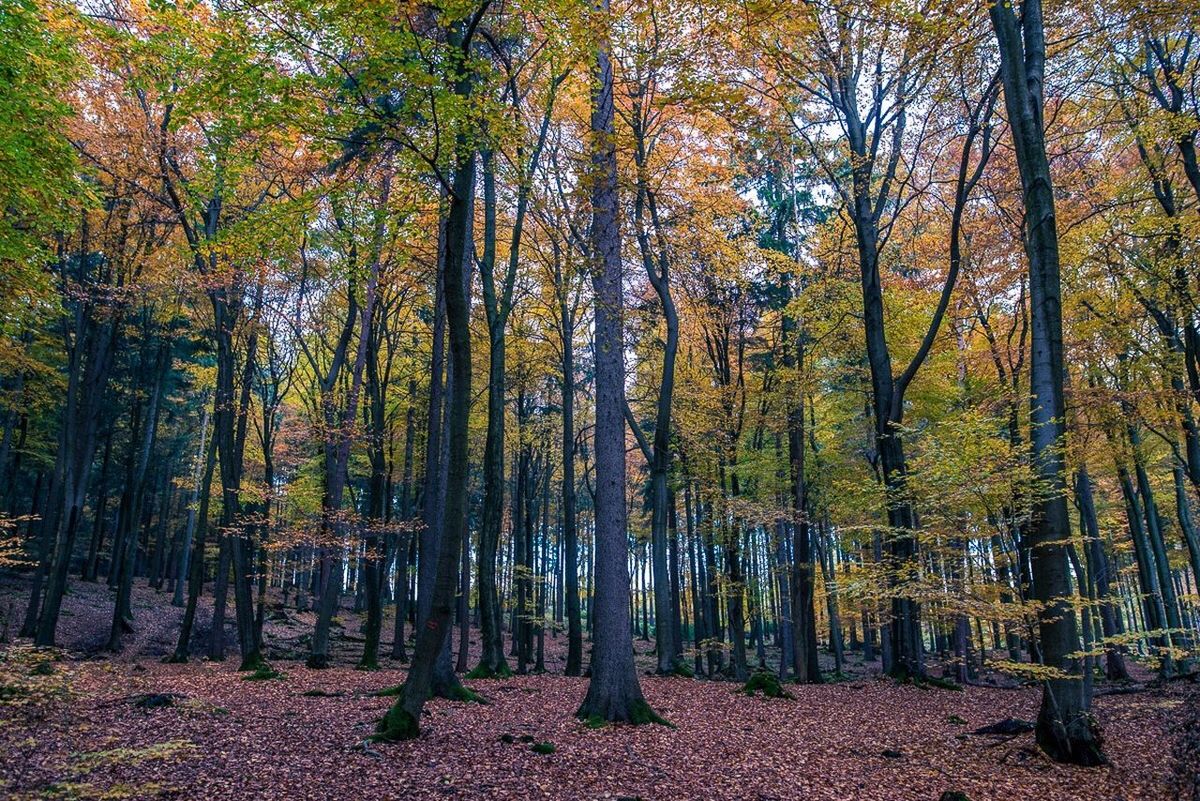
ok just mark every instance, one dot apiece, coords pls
pixel 1065 728
pixel 614 692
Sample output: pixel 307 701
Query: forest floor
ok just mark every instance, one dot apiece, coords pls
pixel 83 735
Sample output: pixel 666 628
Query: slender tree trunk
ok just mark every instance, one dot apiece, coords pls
pixel 195 574
pixel 201 481
pixel 570 531
pixel 403 718
pixel 1098 574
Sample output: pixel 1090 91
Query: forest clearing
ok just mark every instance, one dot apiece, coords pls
pixel 632 399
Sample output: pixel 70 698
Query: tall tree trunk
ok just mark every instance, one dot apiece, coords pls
pixel 570 531
pixel 802 592
pixel 402 720
pixel 614 692
pixel 404 538
pixel 1065 728
pixel 122 610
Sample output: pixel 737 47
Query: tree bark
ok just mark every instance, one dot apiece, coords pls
pixel 613 693
pixel 1065 727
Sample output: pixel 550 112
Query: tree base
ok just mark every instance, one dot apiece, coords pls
pixel 389 692
pixel 398 724
pixel 485 671
pixel 317 662
pixel 465 695
pixel 1075 742
pixel 637 713
pixel 254 662
pixel 680 669
pixel 263 672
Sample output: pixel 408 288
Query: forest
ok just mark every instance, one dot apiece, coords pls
pixel 642 399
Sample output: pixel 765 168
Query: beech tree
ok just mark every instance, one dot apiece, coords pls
pixel 910 375
pixel 1065 728
pixel 614 692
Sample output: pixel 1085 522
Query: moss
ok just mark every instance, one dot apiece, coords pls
pixel 368 666
pixel 956 720
pixel 640 714
pixel 156 700
pixel 953 795
pixel 264 673
pixel 927 682
pixel 320 694
pixel 467 695
pixel 943 684
pixel 253 661
pixel 767 683
pixel 389 692
pixel 542 748
pixel 115 757
pixel 396 725
pixel 683 670
pixel 482 671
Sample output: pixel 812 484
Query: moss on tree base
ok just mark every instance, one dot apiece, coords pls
pixel 317 662
pixel 482 671
pixel 682 670
pixel 254 662
pixel 638 713
pixel 263 672
pixel 466 695
pixel 928 682
pixel 396 725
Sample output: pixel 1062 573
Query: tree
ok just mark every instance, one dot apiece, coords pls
pixel 403 718
pixel 1065 728
pixel 614 693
